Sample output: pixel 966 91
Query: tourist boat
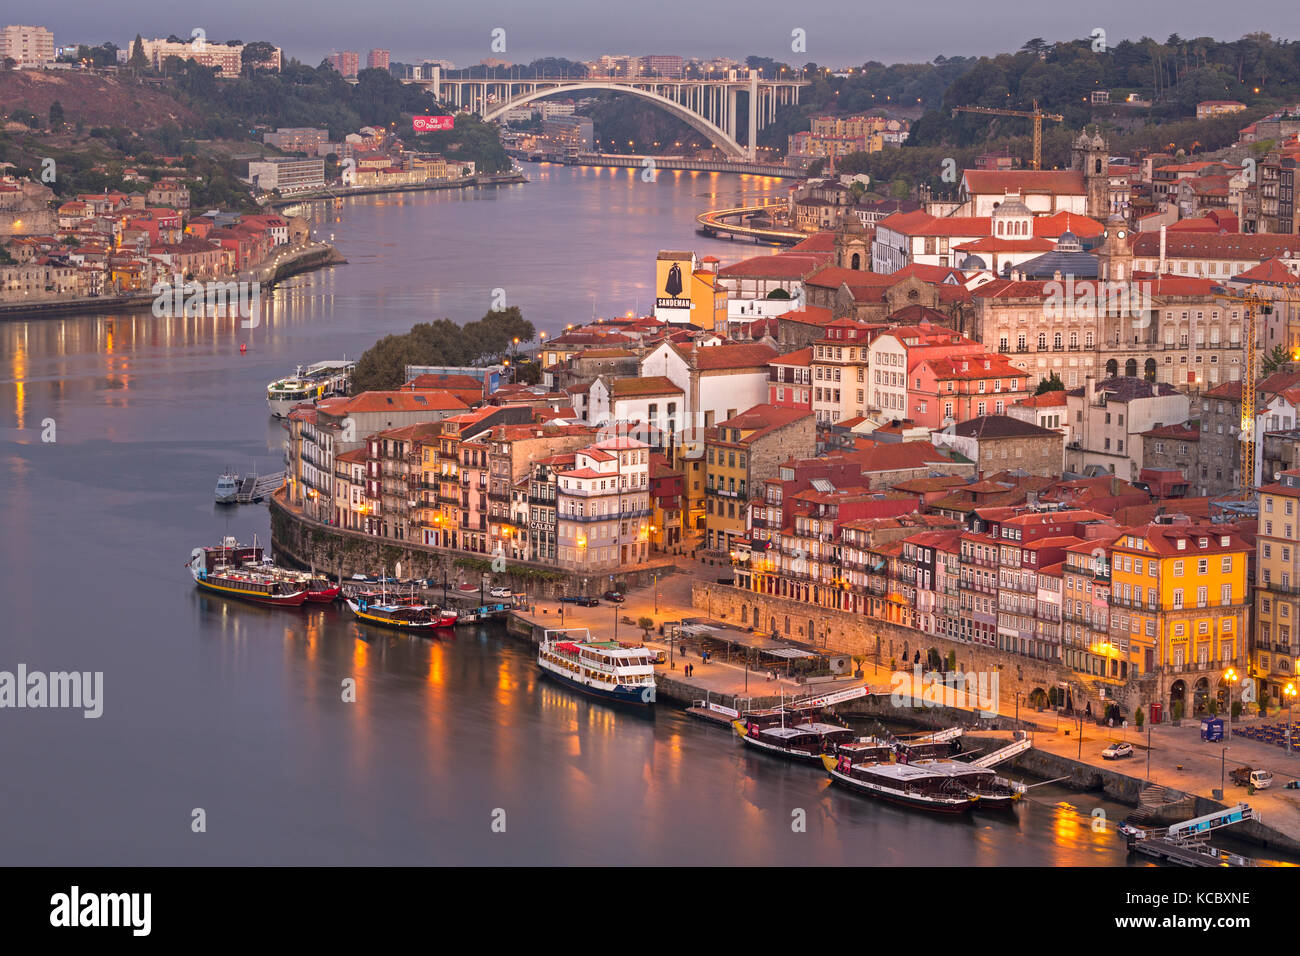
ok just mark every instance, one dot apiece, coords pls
pixel 221 571
pixel 622 673
pixel 862 770
pixel 400 615
pixel 309 385
pixel 227 489
pixel 993 792
pixel 320 590
pixel 791 732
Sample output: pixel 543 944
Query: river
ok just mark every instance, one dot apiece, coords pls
pixel 455 751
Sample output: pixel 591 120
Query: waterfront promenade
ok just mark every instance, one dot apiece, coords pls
pixel 1178 759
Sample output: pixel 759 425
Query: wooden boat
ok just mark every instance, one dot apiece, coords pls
pixel 213 572
pixel 400 615
pixel 992 791
pixel 793 733
pixel 910 785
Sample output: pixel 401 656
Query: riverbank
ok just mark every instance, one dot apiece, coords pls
pixel 290 261
pixel 341 192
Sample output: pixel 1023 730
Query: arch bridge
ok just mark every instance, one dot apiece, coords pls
pixel 707 105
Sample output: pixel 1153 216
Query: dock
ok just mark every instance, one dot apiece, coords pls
pixel 254 488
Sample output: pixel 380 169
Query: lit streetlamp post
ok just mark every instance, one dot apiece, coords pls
pixel 1230 675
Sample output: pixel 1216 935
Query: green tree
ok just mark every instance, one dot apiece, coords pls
pixel 1052 383
pixel 1275 360
pixel 56 116
pixel 138 61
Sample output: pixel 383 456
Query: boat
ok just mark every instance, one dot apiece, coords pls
pixel 309 384
pixel 401 615
pixel 993 792
pixel 220 570
pixel 227 489
pixel 608 670
pixel 320 590
pixel 872 771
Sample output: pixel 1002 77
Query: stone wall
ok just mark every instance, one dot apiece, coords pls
pixel 340 553
pixel 892 645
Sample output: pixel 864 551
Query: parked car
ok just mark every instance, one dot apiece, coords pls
pixel 1117 750
pixel 580 600
pixel 501 592
pixel 614 596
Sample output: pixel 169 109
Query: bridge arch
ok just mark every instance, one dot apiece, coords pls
pixel 695 121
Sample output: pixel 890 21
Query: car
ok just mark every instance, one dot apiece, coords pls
pixel 501 592
pixel 614 596
pixel 581 601
pixel 1117 750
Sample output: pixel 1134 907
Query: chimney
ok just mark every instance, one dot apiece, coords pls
pixel 1161 269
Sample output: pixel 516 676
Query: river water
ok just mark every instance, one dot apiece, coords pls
pixel 237 711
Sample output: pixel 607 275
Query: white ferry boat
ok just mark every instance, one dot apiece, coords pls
pixel 623 673
pixel 309 385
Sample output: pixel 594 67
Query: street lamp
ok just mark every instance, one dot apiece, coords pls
pixel 1230 675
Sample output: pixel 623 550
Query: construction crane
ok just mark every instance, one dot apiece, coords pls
pixel 1254 305
pixel 1035 114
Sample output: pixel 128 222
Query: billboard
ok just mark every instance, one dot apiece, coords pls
pixel 672 277
pixel 431 124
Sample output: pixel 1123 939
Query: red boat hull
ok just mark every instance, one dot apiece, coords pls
pixel 325 596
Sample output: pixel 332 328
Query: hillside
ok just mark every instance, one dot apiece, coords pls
pixel 91 99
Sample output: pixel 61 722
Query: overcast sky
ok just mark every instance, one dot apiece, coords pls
pixel 839 32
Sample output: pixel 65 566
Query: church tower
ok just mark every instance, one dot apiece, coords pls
pixel 1114 255
pixel 852 243
pixel 1090 156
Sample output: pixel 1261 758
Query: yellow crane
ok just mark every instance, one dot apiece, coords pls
pixel 1035 114
pixel 1254 304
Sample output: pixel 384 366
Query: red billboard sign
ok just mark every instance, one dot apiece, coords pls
pixel 429 124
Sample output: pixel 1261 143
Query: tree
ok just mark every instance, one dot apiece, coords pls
pixel 1139 718
pixel 56 116
pixel 1052 383
pixel 255 55
pixel 1276 360
pixel 646 624
pixel 138 60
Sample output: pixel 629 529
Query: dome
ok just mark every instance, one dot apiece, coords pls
pixel 1068 242
pixel 1097 141
pixel 1011 206
pixel 973 263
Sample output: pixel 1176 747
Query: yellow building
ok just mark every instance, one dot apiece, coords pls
pixel 1276 647
pixel 1179 601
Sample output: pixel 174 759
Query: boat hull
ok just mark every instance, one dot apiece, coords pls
pixel 324 596
pixel 624 694
pixel 802 756
pixel 948 805
pixel 441 623
pixel 295 599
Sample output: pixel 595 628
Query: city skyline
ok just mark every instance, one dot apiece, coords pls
pixel 898 35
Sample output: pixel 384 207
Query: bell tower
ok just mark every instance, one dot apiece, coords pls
pixel 1090 155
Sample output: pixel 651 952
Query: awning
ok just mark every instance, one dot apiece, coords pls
pixel 788 652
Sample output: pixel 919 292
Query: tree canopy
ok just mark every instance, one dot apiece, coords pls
pixel 441 342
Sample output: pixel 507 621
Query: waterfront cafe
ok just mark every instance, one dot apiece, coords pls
pixel 791 659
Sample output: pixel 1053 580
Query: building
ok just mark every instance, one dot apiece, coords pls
pixel 741 453
pixel 717 380
pixel 227 58
pixel 1179 598
pixel 287 175
pixel 999 442
pixel 378 59
pixel 1276 651
pixel 568 134
pixel 603 507
pixel 1208 108
pixel 1108 419
pixel 28 47
pixel 297 139
pixel 347 63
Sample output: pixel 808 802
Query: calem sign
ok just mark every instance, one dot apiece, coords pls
pixel 430 124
